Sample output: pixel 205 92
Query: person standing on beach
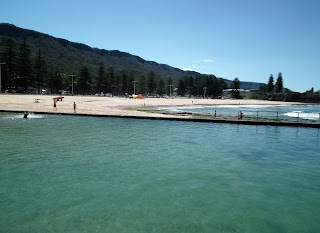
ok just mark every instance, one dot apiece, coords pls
pixel 54 105
pixel 74 107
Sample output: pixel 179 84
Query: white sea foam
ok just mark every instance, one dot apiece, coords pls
pixel 180 108
pixel 220 106
pixel 20 116
pixel 256 106
pixel 36 116
pixel 191 107
pixel 302 112
pixel 250 106
pixel 303 115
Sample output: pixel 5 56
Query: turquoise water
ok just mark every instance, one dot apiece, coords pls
pixel 89 174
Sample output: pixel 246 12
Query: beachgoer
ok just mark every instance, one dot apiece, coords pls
pixel 54 105
pixel 215 113
pixel 74 107
pixel 241 115
pixel 25 115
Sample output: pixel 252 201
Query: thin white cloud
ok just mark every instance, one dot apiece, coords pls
pixel 208 61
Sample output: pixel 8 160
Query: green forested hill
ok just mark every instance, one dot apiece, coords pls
pixel 70 57
pixel 36 61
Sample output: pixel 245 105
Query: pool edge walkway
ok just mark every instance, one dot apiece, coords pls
pixel 188 119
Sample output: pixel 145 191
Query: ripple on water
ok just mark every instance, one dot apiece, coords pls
pixel 69 173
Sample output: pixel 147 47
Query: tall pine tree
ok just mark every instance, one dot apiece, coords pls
pixel 142 85
pixel 40 69
pixel 24 67
pixel 271 83
pixel 235 86
pixel 117 84
pixel 101 79
pixel 55 81
pixel 279 83
pixel 84 81
pixel 8 56
pixel 151 83
pixel 111 80
pixel 131 86
pixel 161 87
pixel 181 88
pixel 124 83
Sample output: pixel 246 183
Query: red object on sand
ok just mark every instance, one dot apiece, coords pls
pixel 58 98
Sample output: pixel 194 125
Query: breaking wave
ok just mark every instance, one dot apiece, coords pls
pixel 303 115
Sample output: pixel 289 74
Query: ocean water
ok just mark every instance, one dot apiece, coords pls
pixel 90 174
pixel 274 112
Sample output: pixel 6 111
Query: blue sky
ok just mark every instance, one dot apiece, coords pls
pixel 248 39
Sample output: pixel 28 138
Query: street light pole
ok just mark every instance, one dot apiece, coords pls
pixel 170 89
pixel 1 63
pixel 134 87
pixel 204 92
pixel 72 75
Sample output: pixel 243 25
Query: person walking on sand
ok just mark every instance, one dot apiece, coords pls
pixel 74 107
pixel 241 115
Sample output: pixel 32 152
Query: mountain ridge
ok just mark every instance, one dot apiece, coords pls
pixel 107 56
pixel 69 57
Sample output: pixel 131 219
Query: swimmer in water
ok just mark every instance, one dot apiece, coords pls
pixel 25 115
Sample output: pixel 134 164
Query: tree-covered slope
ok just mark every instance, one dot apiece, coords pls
pixel 70 57
pixel 37 60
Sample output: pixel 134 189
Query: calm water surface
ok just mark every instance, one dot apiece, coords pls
pixel 88 174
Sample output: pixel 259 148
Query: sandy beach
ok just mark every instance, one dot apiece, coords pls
pixel 111 106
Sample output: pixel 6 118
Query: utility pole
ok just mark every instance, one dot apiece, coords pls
pixel 204 92
pixel 134 87
pixel 170 89
pixel 72 75
pixel 1 63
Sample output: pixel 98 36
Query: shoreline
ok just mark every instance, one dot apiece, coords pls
pixel 112 105
pixel 135 108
